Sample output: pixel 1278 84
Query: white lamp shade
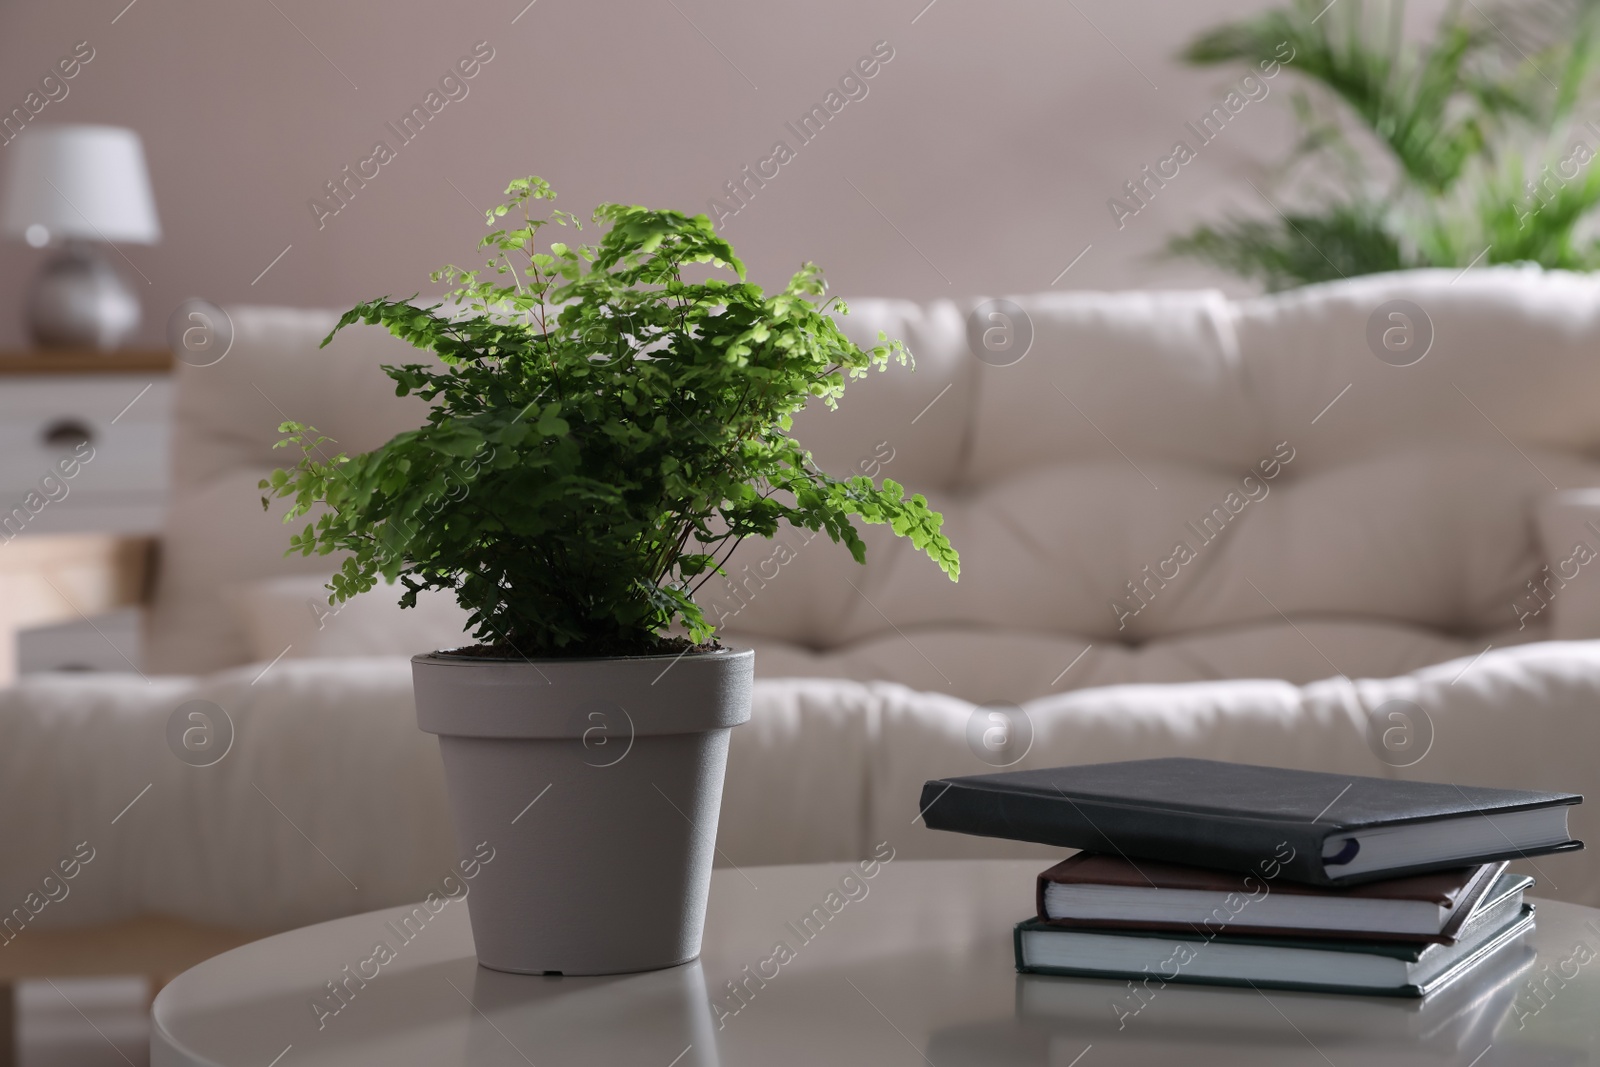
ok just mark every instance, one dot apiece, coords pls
pixel 87 182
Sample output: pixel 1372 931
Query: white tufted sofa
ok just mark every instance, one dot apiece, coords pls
pixel 1116 488
pixel 1373 530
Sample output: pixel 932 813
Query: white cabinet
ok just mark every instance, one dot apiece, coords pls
pixel 84 443
pixel 82 453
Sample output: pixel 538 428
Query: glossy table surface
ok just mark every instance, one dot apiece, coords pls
pixel 911 966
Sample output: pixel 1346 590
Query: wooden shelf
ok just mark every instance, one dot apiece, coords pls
pixel 77 361
pixel 155 946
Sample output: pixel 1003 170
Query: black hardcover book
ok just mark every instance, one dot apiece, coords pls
pixel 1306 826
pixel 1329 965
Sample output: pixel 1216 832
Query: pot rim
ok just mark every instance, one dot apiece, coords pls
pixel 558 699
pixel 447 657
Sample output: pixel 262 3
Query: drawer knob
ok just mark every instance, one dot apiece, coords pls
pixel 66 434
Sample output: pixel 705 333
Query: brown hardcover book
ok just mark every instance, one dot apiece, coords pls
pixel 1095 890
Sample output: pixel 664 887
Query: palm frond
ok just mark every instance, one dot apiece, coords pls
pixel 1540 58
pixel 1298 248
pixel 1512 215
pixel 1405 102
pixel 1459 117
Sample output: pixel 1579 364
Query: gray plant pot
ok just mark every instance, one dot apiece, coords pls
pixel 596 783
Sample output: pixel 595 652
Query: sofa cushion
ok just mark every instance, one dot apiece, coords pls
pixel 1511 359
pixel 1438 538
pixel 1564 594
pixel 1113 377
pixel 289 617
pixel 1012 666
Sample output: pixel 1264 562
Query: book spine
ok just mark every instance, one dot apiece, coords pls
pixel 1263 847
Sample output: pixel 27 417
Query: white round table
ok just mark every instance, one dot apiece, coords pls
pixel 912 966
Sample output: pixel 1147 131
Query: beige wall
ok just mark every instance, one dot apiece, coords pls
pixel 991 141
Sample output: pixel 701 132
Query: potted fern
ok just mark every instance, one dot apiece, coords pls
pixel 603 431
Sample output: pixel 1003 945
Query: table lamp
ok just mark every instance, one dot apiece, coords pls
pixel 75 185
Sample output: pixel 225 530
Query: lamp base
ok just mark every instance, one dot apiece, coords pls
pixel 78 300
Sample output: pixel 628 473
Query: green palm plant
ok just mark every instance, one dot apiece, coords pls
pixel 1446 153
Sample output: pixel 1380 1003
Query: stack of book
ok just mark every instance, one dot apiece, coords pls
pixel 1229 874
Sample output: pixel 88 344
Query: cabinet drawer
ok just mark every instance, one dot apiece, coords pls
pixel 43 420
pixel 120 458
pixel 114 427
pixel 109 642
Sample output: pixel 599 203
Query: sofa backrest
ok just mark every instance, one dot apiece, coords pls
pixel 1135 423
pixel 226 419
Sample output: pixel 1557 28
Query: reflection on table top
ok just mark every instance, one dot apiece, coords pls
pixel 804 965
